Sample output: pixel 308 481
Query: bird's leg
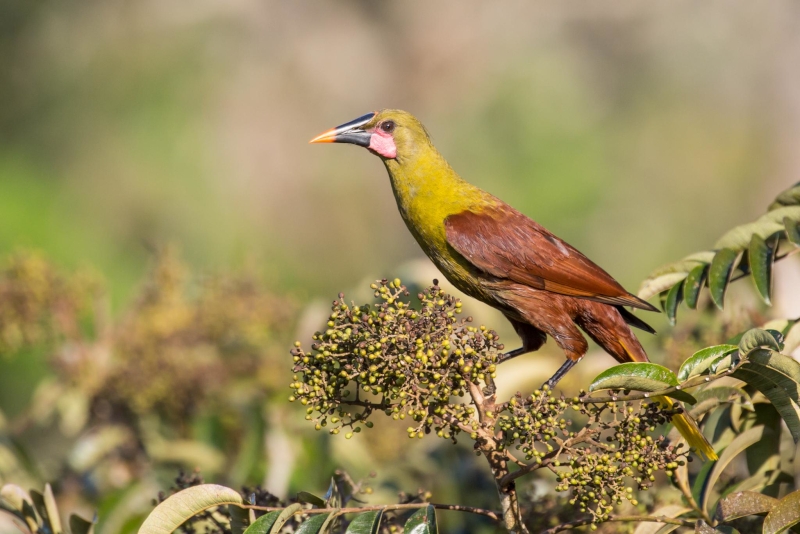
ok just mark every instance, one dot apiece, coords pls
pixel 512 354
pixel 564 369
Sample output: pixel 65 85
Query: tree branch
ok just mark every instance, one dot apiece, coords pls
pixel 692 382
pixel 622 518
pixel 491 514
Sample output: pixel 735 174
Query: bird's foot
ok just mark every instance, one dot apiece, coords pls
pixel 511 354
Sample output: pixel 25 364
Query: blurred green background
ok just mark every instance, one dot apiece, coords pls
pixel 638 132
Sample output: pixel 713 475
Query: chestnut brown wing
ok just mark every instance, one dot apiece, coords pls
pixel 506 244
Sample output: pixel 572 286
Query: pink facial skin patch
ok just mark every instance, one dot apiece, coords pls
pixel 383 144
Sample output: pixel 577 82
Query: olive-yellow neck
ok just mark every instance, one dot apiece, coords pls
pixel 427 191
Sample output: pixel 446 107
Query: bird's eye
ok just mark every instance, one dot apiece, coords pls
pixel 387 126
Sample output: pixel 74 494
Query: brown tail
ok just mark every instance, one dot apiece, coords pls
pixel 609 329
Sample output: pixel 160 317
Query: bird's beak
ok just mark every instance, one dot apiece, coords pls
pixel 349 132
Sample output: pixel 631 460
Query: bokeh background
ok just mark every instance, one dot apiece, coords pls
pixel 161 147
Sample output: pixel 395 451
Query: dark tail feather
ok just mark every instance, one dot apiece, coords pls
pixel 632 320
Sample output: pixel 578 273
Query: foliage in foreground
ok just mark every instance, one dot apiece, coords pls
pixel 747 250
pixel 612 448
pixel 178 378
pixel 603 448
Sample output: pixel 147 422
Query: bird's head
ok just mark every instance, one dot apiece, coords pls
pixel 390 134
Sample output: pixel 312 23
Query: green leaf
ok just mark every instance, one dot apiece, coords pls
pixel 637 376
pixel 784 515
pixel 756 339
pixel 694 283
pixel 659 284
pixel 15 496
pixel 790 197
pixel 674 298
pixel 771 222
pixel 239 518
pixel 52 510
pixel 779 362
pixel 683 397
pixel 791 339
pixel 668 275
pixel 701 527
pixel 699 362
pixel 742 504
pixel 174 511
pixel 782 326
pixel 761 256
pixel 16 500
pixel 329 522
pixel 792 229
pixel 723 363
pixel 423 521
pixel 778 388
pixel 669 510
pixel 313 525
pixel 719 274
pixel 251 448
pixel 739 444
pixel 722 393
pixel 78 525
pixel 703 407
pixel 310 498
pixel 699 485
pixel 263 524
pixel 38 505
pixel 366 523
pixel 284 516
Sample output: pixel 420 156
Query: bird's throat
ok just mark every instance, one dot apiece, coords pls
pixel 427 191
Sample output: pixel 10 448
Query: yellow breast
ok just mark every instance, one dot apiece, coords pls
pixel 427 192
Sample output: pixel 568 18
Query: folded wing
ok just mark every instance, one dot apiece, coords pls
pixel 506 244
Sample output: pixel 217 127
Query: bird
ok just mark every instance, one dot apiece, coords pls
pixel 499 256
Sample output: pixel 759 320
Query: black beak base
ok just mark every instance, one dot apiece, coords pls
pixel 356 136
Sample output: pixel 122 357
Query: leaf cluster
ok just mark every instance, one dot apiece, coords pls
pixel 37 512
pixel 178 377
pixel 214 509
pixel 40 305
pixel 747 250
pixel 743 384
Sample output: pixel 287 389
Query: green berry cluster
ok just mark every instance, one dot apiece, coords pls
pixel 601 475
pixel 600 462
pixel 532 423
pixel 393 357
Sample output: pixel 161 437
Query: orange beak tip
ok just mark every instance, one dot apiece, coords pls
pixel 328 136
